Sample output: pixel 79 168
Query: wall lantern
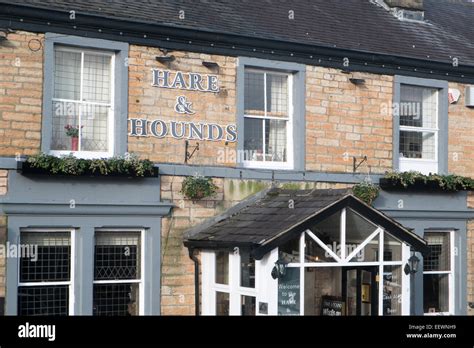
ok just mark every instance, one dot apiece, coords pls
pixel 210 65
pixel 279 270
pixel 3 34
pixel 412 266
pixel 357 81
pixel 165 59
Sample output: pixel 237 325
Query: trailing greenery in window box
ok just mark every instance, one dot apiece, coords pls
pixel 127 166
pixel 366 191
pixel 417 181
pixel 198 187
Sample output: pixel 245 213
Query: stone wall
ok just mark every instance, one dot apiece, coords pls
pixel 177 268
pixel 21 90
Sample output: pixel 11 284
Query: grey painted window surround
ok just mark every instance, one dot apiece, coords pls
pixel 442 86
pixel 120 85
pixel 299 77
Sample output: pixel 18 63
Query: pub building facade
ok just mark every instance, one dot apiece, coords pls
pixel 281 112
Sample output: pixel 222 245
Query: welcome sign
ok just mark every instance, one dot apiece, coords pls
pixel 142 127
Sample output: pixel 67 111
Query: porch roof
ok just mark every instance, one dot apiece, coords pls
pixel 267 220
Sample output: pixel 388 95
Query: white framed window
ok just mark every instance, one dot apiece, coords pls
pixel 438 274
pixel 268 119
pixel 229 283
pixel 46 275
pixel 118 273
pixel 418 111
pixel 82 102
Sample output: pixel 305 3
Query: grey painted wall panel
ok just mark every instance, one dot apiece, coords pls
pixel 84 190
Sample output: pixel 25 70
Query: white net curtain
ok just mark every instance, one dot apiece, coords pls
pixel 82 100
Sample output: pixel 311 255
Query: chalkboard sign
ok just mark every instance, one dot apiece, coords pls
pixel 332 306
pixel 289 292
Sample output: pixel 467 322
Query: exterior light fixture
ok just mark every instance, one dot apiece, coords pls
pixel 210 65
pixel 357 81
pixel 3 34
pixel 165 59
pixel 279 270
pixel 412 266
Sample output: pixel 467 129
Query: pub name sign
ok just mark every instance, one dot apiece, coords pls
pixel 183 129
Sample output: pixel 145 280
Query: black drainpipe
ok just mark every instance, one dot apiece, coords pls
pixel 196 279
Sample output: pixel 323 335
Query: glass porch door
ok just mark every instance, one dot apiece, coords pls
pixel 359 290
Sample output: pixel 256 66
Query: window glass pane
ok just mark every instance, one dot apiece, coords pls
pixel 314 252
pixel 392 248
pixel 290 251
pixel 392 290
pixel 116 299
pixel 248 305
pixel 289 292
pixel 358 229
pixel 64 114
pixel 417 145
pixel 439 258
pixel 277 95
pixel 94 128
pixel 369 253
pixel 96 76
pixel 436 293
pixel 321 283
pixel 67 74
pixel 329 232
pixel 253 139
pixel 53 259
pixel 222 267
pixel 43 300
pixel 418 106
pixel 81 125
pixel 254 93
pixel 275 140
pixel 247 269
pixel 117 255
pixel 222 303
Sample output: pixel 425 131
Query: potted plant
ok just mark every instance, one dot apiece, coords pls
pixel 198 187
pixel 73 132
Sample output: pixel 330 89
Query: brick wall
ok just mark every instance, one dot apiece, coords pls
pixel 21 85
pixel 345 120
pixel 461 135
pixel 146 101
pixel 177 267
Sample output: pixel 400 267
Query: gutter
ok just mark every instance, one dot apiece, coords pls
pixel 176 38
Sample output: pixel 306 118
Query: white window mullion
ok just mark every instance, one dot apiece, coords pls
pixel 264 149
pixel 234 296
pixel 343 234
pixel 302 256
pixel 72 297
pixel 452 285
pixel 81 104
pixel 380 294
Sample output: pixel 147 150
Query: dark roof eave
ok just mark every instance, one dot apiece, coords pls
pixel 132 31
pixel 416 242
pixel 216 245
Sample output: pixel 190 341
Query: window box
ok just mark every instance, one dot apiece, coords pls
pixel 437 183
pixel 27 168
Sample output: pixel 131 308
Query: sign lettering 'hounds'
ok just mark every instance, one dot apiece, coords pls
pixel 141 127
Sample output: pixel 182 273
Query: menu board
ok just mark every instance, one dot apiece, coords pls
pixel 289 292
pixel 332 306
